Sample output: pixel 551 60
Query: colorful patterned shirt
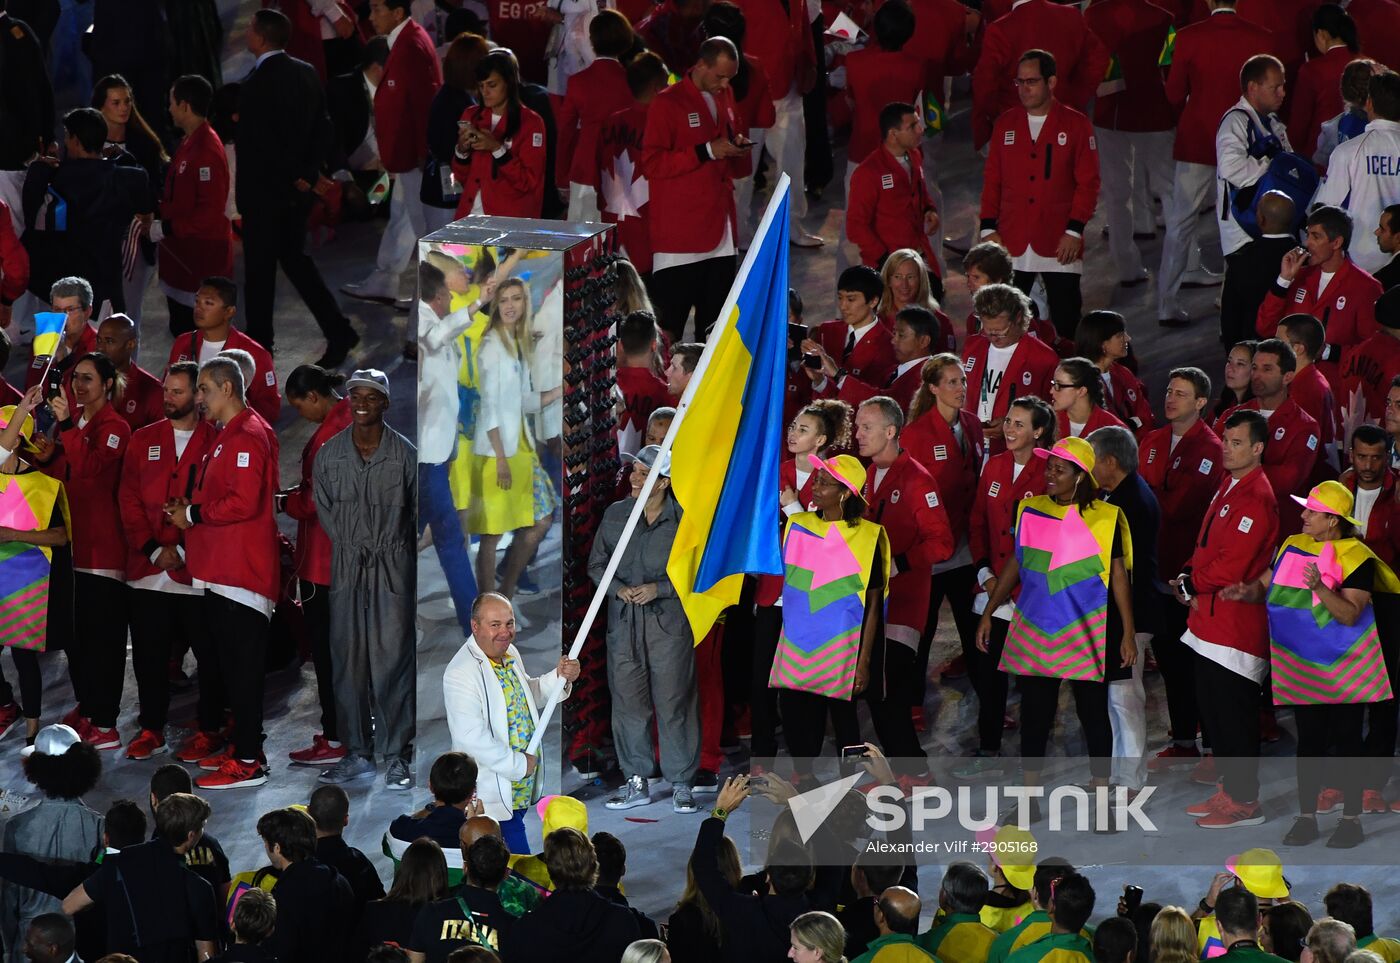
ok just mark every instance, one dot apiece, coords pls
pixel 520 723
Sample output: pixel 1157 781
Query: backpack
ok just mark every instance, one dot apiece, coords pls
pixel 1288 172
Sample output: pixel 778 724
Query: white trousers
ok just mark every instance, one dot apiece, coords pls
pixel 583 202
pixel 1193 189
pixel 407 223
pixel 786 145
pixel 1127 711
pixel 1128 163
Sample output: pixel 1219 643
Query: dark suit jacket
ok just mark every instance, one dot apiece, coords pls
pixel 284 134
pixel 350 107
pixel 1249 274
pixel 1135 499
pixel 26 96
pixel 537 99
pixel 1389 276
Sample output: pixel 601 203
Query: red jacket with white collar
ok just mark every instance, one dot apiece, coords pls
pixel 886 206
pixel 1316 96
pixel 1042 328
pixel 1030 371
pixel 198 236
pixel 990 536
pixel 1383 527
pixel 263 395
pixel 930 440
pixel 152 476
pixel 1291 24
pixel 1033 191
pixel 876 77
pixel 233 540
pixel 1127 399
pixel 1098 418
pixel 412 76
pixel 944 339
pixel 691 196
pixel 594 93
pixel 1204 81
pixel 872 359
pixel 1134 31
pixel 1369 366
pixel 940 39
pixel 908 505
pixel 1290 456
pixel 1184 481
pixel 1314 395
pixel 780 36
pixel 90 466
pixel 512 186
pixel 1346 308
pixel 143 398
pixel 853 390
pixel 313 551
pixel 770 587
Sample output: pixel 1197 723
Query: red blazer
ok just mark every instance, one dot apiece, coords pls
pixel 1383 527
pixel 263 394
pixel 693 196
pixel 1236 543
pixel 1204 81
pixel 411 78
pixel 1042 328
pixel 1290 456
pixel 234 537
pixel 1098 418
pixel 642 393
pixel 1316 97
pixel 313 551
pixel 940 39
pixel 594 93
pixel 874 78
pixel 779 34
pixel 907 503
pixel 1369 366
pixel 886 206
pixel 143 399
pixel 90 467
pixel 990 534
pixel 1134 31
pixel 14 260
pixel 853 390
pixel 944 339
pixel 872 361
pixel 755 111
pixel 198 241
pixel 1030 372
pixel 619 167
pixel 1184 482
pixel 1314 395
pixel 1290 22
pixel 512 186
pixel 931 442
pixel 1378 26
pixel 1128 399
pixel 151 476
pixel 1080 61
pixel 1347 309
pixel 1034 191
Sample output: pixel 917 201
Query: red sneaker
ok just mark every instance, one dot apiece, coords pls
pixel 1268 727
pixel 1174 758
pixel 234 774
pixel 1209 806
pixel 149 743
pixel 1231 814
pixel 1329 801
pixel 76 721
pixel 1204 773
pixel 1373 802
pixel 954 668
pixel 215 762
pixel 9 715
pixel 1395 806
pixel 916 715
pixel 318 753
pixel 102 738
pixel 201 746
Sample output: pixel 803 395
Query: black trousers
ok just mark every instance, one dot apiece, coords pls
pixel 1040 701
pixel 159 622
pixel 278 237
pixel 1062 295
pixel 990 684
pixel 1381 717
pixel 240 638
pixel 97 658
pixel 891 715
pixel 1177 663
pixel 1229 706
pixel 763 701
pixel 702 286
pixel 181 317
pixel 31 683
pixel 1323 728
pixel 804 725
pixel 316 610
pixel 958 586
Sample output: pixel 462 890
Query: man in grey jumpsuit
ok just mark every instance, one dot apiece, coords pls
pixel 365 483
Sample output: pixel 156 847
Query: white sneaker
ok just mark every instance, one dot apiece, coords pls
pixel 800 238
pixel 630 795
pixel 1201 278
pixel 376 287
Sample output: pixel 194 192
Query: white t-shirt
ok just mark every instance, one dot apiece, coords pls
pixel 182 438
pixel 1361 509
pixel 997 361
pixel 1016 471
pixel 1076 428
pixel 1324 279
pixel 210 349
pixel 1175 438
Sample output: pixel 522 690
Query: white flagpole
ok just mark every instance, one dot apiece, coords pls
pixel 722 323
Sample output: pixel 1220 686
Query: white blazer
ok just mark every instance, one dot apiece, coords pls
pixel 477 721
pixel 507 395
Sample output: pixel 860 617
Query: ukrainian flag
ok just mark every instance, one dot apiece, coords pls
pixel 48 328
pixel 726 441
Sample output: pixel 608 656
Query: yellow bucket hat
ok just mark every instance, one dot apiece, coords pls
pixel 1331 498
pixel 1261 872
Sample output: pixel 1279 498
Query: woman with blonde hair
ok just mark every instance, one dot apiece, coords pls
pixel 646 951
pixel 817 937
pixel 1173 936
pixel 908 281
pixel 695 934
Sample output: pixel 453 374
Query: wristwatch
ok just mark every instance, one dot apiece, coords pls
pixel 720 813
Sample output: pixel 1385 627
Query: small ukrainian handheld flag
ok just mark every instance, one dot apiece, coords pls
pixel 726 442
pixel 48 328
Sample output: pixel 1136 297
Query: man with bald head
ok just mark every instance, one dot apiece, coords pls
pixel 1250 272
pixel 141 397
pixel 493 708
pixel 897 918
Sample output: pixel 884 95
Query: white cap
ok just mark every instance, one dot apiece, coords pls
pixel 53 740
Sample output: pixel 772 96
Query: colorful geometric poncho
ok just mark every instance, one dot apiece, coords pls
pixel 27 503
pixel 828 567
pixel 1061 622
pixel 1316 659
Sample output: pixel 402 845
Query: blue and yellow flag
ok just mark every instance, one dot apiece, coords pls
pixel 48 328
pixel 730 428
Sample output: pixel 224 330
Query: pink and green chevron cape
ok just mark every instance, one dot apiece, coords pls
pixel 1317 660
pixel 27 502
pixel 1060 627
pixel 827 569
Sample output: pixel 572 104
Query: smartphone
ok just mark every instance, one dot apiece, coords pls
pixel 813 361
pixel 1132 899
pixel 797 333
pixel 1182 592
pixel 758 783
pixel 463 124
pixel 853 754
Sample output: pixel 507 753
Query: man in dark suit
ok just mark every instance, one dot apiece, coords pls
pixel 350 102
pixel 1388 240
pixel 283 135
pixel 1251 271
pixel 26 96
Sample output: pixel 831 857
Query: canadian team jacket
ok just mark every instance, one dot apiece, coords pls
pixel 886 206
pixel 513 185
pixel 1204 81
pixel 780 36
pixel 1369 366
pixel 1029 372
pixel 1378 26
pixel 876 77
pixel 1184 482
pixel 143 398
pixel 930 440
pixel 90 465
pixel 1033 191
pixel 618 167
pixel 152 476
pixel 594 93
pixel 197 239
pixel 853 390
pixel 14 260
pixel 1346 308
pixel 940 38
pixel 412 76
pixel 991 537
pixel 1134 31
pixel 1383 527
pixel 313 551
pixel 1098 418
pixel 1316 96
pixel 1127 399
pixel 233 540
pixel 1315 396
pixel 1290 456
pixel 263 396
pixel 872 359
pixel 691 195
